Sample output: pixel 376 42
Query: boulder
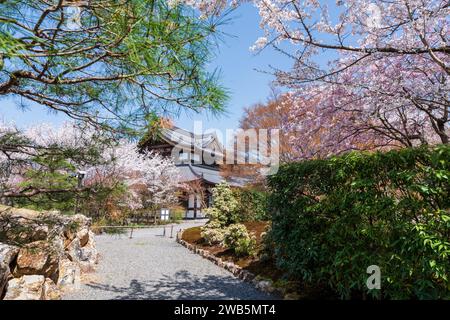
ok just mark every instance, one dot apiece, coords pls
pixel 80 221
pixel 83 235
pixel 27 232
pixel 68 236
pixel 54 248
pixel 91 242
pixel 58 247
pixel 89 259
pixel 73 250
pixel 264 285
pixel 25 226
pixel 37 258
pixel 4 276
pixel 50 290
pixel 69 274
pixel 25 288
pixel 89 254
pixel 8 254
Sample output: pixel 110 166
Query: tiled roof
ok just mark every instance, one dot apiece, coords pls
pixel 191 172
pixel 184 138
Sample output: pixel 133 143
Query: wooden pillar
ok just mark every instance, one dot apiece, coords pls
pixel 195 206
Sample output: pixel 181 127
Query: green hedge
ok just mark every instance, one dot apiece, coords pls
pixel 333 218
pixel 253 204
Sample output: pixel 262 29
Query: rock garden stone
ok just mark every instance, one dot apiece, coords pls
pixel 8 253
pixel 89 254
pixel 4 276
pixel 81 221
pixel 50 290
pixel 29 287
pixel 83 235
pixel 69 274
pixel 74 250
pixel 37 258
pixel 52 251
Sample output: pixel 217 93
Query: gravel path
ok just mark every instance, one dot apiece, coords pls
pixel 151 266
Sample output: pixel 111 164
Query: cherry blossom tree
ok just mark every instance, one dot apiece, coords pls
pixel 46 161
pixel 316 128
pixel 44 149
pixel 151 178
pixel 396 104
pixel 361 29
pixel 383 64
pixel 391 70
pixel 312 126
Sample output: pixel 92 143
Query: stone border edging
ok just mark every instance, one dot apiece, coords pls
pixel 262 285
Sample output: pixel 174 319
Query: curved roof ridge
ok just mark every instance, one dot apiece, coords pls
pixel 191 138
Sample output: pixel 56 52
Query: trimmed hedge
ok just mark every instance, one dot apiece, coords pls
pixel 334 218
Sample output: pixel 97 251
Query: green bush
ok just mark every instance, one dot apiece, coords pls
pixel 245 246
pixel 224 207
pixel 212 236
pixel 212 233
pixel 252 204
pixel 267 248
pixel 238 239
pixel 333 218
pixel 212 224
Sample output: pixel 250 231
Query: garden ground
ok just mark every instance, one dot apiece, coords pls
pixel 263 268
pixel 254 265
pixel 151 266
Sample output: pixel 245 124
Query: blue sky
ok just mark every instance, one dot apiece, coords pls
pixel 235 61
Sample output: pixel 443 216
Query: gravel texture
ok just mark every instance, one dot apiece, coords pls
pixel 151 266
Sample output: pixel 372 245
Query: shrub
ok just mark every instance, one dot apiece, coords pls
pixel 245 247
pixel 214 214
pixel 267 250
pixel 224 206
pixel 212 236
pixel 238 239
pixel 333 218
pixel 212 224
pixel 252 204
pixel 212 233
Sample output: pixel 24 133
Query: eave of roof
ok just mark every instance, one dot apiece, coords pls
pixel 191 173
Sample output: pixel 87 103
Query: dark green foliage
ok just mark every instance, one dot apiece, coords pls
pixel 124 61
pixel 333 218
pixel 51 173
pixel 252 204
